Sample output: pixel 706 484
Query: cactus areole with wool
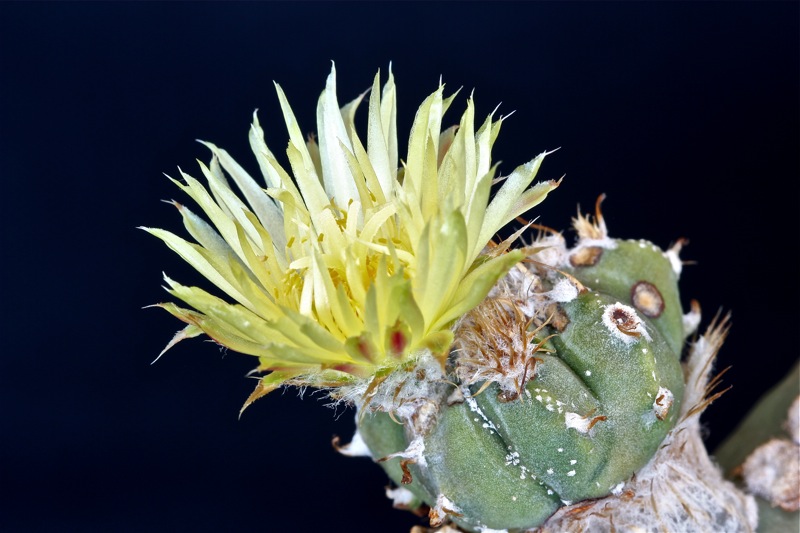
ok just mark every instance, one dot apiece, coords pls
pixel 494 381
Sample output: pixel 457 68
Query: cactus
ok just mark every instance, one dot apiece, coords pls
pixel 501 386
pixel 540 415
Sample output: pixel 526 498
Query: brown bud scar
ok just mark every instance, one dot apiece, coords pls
pixel 580 508
pixel 586 257
pixel 647 299
pixel 625 323
pixel 629 332
pixel 406 480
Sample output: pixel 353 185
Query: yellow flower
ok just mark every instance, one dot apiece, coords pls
pixel 350 267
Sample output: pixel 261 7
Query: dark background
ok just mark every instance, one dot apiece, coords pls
pixel 685 114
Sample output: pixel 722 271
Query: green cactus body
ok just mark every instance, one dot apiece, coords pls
pixel 605 392
pixel 633 269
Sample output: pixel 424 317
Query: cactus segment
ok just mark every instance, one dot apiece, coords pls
pixel 629 380
pixel 638 274
pixel 384 437
pixel 479 471
pixel 593 413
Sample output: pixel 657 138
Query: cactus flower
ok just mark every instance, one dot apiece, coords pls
pixel 351 267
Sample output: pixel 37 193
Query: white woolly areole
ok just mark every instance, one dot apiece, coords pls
pixel 553 252
pixel 607 243
pixel 402 392
pixel 772 471
pixel 415 452
pixel 444 506
pixel 356 448
pixel 563 291
pixel 663 403
pixel 674 261
pixel 680 489
pixel 577 422
pixel 401 497
pixel 623 323
pixel 691 321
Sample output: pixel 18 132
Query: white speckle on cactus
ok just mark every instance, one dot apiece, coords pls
pixel 644 350
pixel 549 492
pixel 488 530
pixel 550 471
pixel 473 406
pixel 573 461
pixel 566 502
pixel 653 373
pixel 623 323
pixel 512 458
pixel 571 473
pixel 663 403
pixel 588 372
pixel 616 490
pixel 561 450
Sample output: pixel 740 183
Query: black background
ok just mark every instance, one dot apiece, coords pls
pixel 685 114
